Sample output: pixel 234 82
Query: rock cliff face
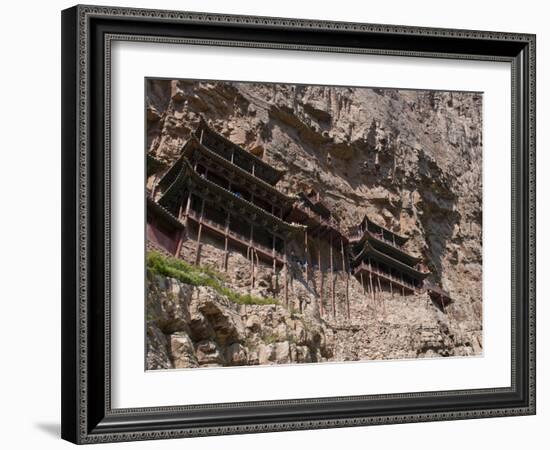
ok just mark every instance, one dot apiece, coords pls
pixel 196 327
pixel 410 159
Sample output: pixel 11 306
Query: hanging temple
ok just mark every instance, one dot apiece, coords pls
pixel 219 189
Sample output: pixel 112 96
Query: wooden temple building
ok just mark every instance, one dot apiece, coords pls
pixel 219 190
pixel 379 260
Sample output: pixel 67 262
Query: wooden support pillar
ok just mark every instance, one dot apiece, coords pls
pixel 180 241
pixel 187 208
pixel 273 255
pixel 378 279
pixel 321 307
pixel 251 252
pixel 226 247
pixel 362 282
pixel 402 284
pixel 332 296
pixel 307 256
pixel 202 133
pixel 347 295
pixel 346 275
pixel 371 284
pixel 286 273
pixel 198 254
pixel 181 209
pixel 252 268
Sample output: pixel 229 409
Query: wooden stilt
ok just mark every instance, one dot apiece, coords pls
pixel 252 275
pixel 251 256
pixel 273 255
pixel 198 254
pixel 307 256
pixel 371 284
pixel 187 208
pixel 180 241
pixel 345 273
pixel 362 283
pixel 286 274
pixel 321 307
pixel 380 299
pixel 226 246
pixel 333 299
pixel 347 294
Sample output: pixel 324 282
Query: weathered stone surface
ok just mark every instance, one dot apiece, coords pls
pixel 208 353
pixel 266 353
pixel 168 303
pixel 157 356
pixel 282 352
pixel 182 351
pixel 236 355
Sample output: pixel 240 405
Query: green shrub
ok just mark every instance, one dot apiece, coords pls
pixel 200 276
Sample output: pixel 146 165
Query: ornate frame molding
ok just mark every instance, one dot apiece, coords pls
pixel 86 257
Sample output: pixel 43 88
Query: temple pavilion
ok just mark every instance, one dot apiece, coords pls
pixel 379 260
pixel 219 189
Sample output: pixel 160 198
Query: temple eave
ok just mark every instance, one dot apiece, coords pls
pixel 369 251
pixel 194 144
pixel 272 174
pixel 193 178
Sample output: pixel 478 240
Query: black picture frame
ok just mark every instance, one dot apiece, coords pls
pixel 87 416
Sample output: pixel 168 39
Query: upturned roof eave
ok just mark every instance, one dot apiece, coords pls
pixel 238 169
pixel 278 172
pixel 188 170
pixel 413 259
pixel 368 249
pixel 397 235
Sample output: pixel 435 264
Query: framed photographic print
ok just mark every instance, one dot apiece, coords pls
pixel 267 222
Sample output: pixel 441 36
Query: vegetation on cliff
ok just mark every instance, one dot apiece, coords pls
pixel 200 276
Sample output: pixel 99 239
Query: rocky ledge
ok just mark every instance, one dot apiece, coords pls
pixel 194 326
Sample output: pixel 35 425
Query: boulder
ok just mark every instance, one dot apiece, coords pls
pixel 208 353
pixel 236 355
pixel 182 351
pixel 266 353
pixel 157 356
pixel 282 352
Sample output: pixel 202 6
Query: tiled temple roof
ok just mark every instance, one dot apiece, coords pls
pixel 264 170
